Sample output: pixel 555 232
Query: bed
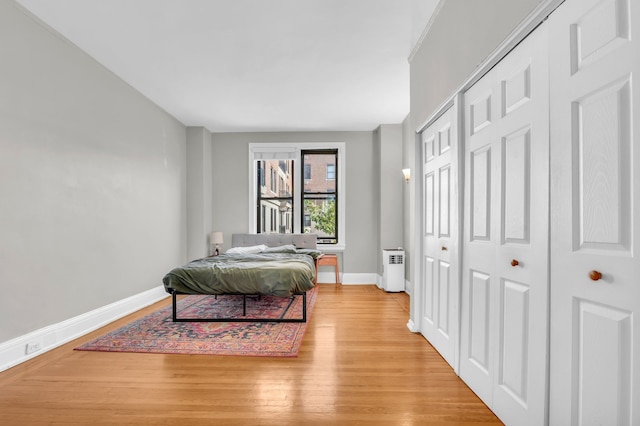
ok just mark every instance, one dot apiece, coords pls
pixel 257 264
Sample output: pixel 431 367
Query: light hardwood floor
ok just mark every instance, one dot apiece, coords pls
pixel 359 364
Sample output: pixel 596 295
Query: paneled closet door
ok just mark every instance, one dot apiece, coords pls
pixel 504 311
pixel 595 171
pixel 439 322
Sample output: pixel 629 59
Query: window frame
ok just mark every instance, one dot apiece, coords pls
pixel 334 193
pixel 280 193
pixel 292 151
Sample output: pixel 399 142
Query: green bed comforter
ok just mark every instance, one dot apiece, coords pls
pixel 279 274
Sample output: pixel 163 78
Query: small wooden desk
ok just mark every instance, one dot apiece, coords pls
pixel 328 260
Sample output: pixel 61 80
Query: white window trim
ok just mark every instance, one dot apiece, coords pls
pixel 291 151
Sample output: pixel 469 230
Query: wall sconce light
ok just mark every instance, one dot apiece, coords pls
pixel 216 238
pixel 407 174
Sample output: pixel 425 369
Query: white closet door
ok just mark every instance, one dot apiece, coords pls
pixel 504 312
pixel 595 333
pixel 439 323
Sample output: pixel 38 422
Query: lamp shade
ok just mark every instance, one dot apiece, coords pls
pixel 216 238
pixel 407 174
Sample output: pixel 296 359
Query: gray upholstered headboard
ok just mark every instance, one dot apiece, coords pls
pixel 274 240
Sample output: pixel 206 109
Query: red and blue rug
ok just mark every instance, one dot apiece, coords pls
pixel 157 333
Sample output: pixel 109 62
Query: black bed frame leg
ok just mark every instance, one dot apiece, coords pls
pixel 175 315
pixel 304 307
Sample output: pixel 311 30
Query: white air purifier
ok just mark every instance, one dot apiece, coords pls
pixel 393 270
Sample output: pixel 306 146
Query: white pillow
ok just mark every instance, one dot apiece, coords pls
pixel 247 250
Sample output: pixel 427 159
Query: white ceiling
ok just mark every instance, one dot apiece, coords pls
pixel 254 65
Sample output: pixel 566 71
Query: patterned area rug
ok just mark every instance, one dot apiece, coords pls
pixel 157 333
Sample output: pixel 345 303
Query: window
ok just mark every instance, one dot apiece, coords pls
pixel 303 190
pixel 273 220
pixel 278 200
pixel 331 171
pixel 273 182
pixel 319 195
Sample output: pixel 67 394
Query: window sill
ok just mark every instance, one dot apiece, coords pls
pixel 332 248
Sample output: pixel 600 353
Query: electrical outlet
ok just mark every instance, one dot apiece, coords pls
pixel 32 347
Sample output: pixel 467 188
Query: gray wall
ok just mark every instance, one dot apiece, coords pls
pixel 199 192
pixel 231 189
pixel 408 202
pixel 92 182
pixel 390 186
pixel 462 35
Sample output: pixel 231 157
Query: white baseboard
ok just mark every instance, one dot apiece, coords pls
pixel 348 278
pixel 379 284
pixel 408 288
pixel 412 326
pixel 13 352
pixel 359 279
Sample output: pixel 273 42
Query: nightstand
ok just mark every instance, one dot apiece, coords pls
pixel 328 260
